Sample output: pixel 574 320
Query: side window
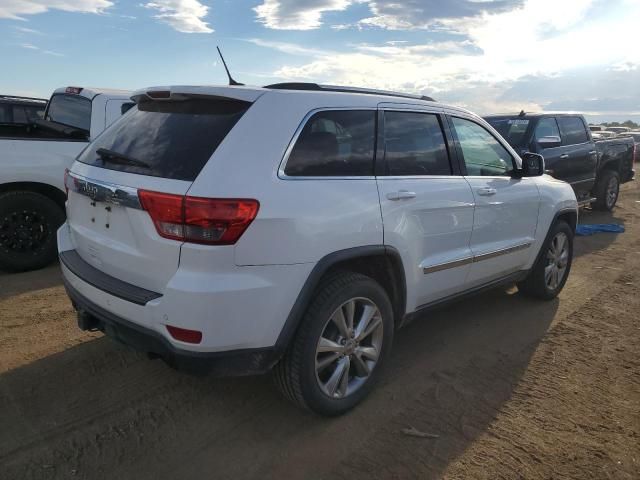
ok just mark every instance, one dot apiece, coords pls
pixel 5 114
pixel 414 145
pixel 573 130
pixel 19 114
pixel 547 127
pixel 483 154
pixel 335 143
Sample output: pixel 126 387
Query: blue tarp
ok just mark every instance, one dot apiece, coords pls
pixel 585 230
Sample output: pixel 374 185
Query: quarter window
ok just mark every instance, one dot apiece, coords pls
pixel 573 130
pixel 414 145
pixel 483 154
pixel 335 143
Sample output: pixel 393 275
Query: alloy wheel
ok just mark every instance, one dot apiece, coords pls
pixel 557 261
pixel 349 347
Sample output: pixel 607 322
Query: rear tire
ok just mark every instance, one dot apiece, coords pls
pixel 28 225
pixel 550 272
pixel 607 191
pixel 329 369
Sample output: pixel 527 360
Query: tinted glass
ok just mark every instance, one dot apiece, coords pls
pixel 34 113
pixel 512 129
pixel 19 114
pixel 547 127
pixel 71 110
pixel 573 130
pixel 174 138
pixel 5 113
pixel 483 154
pixel 414 145
pixel 335 143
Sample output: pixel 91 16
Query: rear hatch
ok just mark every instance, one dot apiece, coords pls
pixel 146 162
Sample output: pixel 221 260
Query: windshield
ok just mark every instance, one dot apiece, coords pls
pixel 71 110
pixel 512 129
pixel 170 139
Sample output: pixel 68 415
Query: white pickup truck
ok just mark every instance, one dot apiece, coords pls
pixel 32 167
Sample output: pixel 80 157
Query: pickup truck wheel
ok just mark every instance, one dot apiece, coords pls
pixel 340 347
pixel 28 225
pixel 550 272
pixel 607 191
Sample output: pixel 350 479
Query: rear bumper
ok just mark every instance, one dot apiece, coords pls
pixel 228 363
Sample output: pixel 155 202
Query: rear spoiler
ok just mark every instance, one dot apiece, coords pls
pixel 176 93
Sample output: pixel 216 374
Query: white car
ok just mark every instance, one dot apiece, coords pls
pixel 296 226
pixel 33 158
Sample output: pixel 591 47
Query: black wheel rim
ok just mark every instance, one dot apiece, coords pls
pixel 23 232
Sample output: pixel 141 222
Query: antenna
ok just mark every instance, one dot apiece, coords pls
pixel 231 80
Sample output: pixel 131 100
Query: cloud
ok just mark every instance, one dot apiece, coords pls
pixel 30 46
pixel 29 31
pixel 388 14
pixel 286 47
pixel 17 9
pixel 183 15
pixel 528 58
pixel 410 14
pixel 297 14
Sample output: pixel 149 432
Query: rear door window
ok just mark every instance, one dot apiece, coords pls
pixel 71 110
pixel 334 143
pixel 169 139
pixel 414 145
pixel 573 130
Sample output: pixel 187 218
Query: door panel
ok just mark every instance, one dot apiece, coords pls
pixel 431 230
pixel 427 211
pixel 504 226
pixel 506 208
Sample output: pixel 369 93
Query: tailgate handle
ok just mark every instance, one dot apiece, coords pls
pixel 564 155
pixel 401 195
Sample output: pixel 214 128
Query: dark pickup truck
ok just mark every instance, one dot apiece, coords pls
pixel 595 169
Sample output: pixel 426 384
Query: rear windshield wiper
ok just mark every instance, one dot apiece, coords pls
pixel 115 157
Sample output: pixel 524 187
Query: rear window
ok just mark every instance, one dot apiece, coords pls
pixel 572 130
pixel 71 110
pixel 175 139
pixel 335 143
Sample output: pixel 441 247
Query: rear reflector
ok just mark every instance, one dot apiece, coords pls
pixel 185 335
pixel 210 221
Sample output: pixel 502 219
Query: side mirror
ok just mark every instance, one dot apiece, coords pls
pixel 532 165
pixel 549 142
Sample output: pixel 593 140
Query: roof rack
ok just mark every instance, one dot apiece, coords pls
pixel 16 97
pixel 337 88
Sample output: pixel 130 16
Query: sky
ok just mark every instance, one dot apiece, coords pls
pixel 489 56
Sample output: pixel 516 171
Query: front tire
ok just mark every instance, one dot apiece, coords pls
pixel 339 350
pixel 550 272
pixel 28 225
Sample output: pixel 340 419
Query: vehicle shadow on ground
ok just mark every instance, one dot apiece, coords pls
pixel 99 410
pixel 18 283
pixel 598 241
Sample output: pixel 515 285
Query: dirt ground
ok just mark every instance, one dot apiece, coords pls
pixel 511 387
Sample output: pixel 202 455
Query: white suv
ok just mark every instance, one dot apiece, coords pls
pixel 296 226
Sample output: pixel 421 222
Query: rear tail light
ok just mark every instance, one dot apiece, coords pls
pixel 210 221
pixel 184 334
pixel 66 179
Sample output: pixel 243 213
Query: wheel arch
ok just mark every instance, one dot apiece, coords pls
pixel 45 189
pixel 380 262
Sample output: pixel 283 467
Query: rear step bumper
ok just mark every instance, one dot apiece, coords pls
pixel 229 363
pixel 104 282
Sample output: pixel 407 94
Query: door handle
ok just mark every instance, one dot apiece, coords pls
pixel 401 195
pixel 486 191
pixel 564 155
pixel 593 152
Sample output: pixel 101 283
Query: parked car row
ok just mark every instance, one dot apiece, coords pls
pixel 294 227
